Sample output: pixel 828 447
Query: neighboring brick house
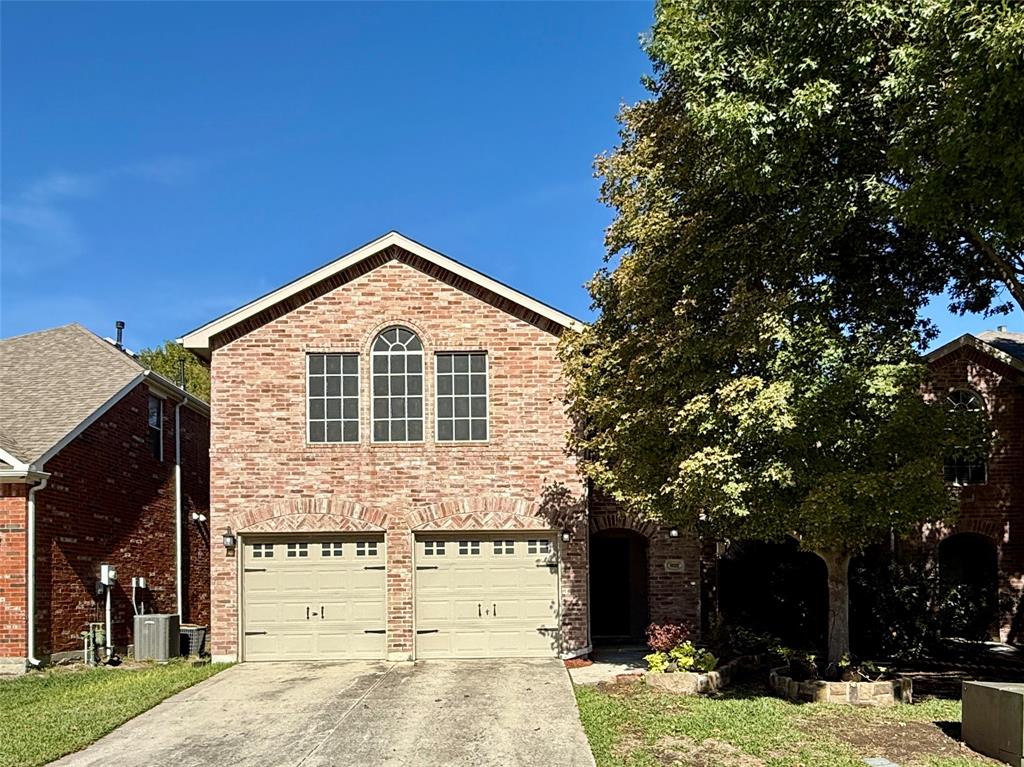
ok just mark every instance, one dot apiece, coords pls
pixel 98 457
pixel 390 479
pixel 986 541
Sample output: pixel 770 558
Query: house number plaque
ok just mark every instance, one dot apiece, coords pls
pixel 674 565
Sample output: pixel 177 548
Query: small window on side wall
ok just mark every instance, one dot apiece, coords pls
pixel 156 427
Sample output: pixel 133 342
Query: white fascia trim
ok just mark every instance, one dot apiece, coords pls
pixel 167 388
pixel 199 339
pixel 22 476
pixel 16 465
pixel 975 343
pixel 89 421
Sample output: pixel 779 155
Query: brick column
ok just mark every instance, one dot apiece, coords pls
pixel 13 576
pixel 398 544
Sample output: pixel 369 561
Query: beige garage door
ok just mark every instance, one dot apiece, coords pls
pixel 313 598
pixel 485 596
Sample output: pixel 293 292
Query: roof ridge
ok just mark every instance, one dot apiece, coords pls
pixel 120 352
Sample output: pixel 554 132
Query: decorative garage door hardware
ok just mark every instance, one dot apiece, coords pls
pixel 426 567
pixel 427 631
pixel 323 598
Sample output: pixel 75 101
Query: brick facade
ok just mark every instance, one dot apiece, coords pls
pixel 108 500
pixel 994 509
pixel 266 478
pixel 673 563
pixel 13 597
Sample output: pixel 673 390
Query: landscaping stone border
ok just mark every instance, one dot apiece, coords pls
pixel 694 683
pixel 878 694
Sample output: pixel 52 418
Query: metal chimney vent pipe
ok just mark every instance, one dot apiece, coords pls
pixel 119 326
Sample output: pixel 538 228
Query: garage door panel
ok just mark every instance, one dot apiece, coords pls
pixel 486 596
pixel 317 606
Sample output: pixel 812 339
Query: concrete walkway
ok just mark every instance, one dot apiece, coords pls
pixel 428 714
pixel 610 663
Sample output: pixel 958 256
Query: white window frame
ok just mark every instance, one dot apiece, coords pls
pixel 159 456
pixel 982 408
pixel 422 395
pixel 342 397
pixel 487 399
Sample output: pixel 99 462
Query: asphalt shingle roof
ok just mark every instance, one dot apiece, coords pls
pixel 1005 341
pixel 53 380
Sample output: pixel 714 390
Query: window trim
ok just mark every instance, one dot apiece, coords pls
pixel 983 403
pixel 371 418
pixel 158 455
pixel 358 397
pixel 487 400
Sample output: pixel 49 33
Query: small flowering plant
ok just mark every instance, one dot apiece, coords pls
pixel 673 650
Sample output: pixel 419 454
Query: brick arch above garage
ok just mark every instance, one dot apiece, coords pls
pixel 620 520
pixel 319 514
pixel 482 513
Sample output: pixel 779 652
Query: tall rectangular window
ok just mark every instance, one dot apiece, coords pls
pixel 461 396
pixel 397 360
pixel 156 427
pixel 333 397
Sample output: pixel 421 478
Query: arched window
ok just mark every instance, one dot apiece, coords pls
pixel 962 467
pixel 397 357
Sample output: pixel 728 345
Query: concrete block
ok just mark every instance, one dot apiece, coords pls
pixel 993 720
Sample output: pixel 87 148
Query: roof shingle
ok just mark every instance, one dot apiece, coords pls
pixel 51 381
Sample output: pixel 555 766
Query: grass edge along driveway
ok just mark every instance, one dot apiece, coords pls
pixel 45 715
pixel 634 726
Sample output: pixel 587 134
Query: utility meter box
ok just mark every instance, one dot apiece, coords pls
pixel 157 637
pixel 993 720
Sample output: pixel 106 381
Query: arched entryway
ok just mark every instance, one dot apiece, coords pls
pixel 619 611
pixel 969 577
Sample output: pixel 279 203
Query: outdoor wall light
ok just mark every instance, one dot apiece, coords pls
pixel 229 539
pixel 566 535
pixel 673 532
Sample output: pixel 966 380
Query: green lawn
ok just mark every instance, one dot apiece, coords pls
pixel 47 714
pixel 634 726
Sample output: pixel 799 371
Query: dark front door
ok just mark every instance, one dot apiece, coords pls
pixel 618 586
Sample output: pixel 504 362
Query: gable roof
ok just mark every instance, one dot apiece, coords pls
pixel 56 382
pixel 1001 344
pixel 390 246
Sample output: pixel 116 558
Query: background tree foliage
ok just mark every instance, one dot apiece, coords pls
pixel 781 217
pixel 165 361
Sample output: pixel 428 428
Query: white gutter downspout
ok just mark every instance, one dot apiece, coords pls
pixel 178 532
pixel 30 584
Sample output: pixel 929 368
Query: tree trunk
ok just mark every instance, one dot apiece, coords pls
pixel 838 565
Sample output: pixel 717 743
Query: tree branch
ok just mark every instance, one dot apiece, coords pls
pixel 1012 277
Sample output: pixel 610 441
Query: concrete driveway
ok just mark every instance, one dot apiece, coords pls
pixel 427 714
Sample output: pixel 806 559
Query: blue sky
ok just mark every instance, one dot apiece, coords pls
pixel 165 163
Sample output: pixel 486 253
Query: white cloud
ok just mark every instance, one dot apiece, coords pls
pixel 39 226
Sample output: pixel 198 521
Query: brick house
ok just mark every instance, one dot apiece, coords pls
pixel 389 476
pixel 98 459
pixel 985 545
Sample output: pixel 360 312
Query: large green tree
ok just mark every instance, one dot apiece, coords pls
pixel 779 223
pixel 166 360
